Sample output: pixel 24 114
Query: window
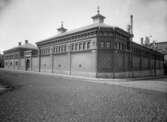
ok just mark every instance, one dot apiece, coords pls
pixel 80 46
pixel 59 65
pixel 88 45
pixel 115 45
pixel 79 65
pixel 56 49
pixel 84 45
pixel 108 44
pixel 76 45
pixel 72 47
pixel 64 48
pixel 48 50
pixel 119 45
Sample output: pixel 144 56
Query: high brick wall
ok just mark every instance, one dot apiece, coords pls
pixel 105 61
pixel 60 64
pixel 22 64
pixel 46 64
pixel 83 63
pixel 35 64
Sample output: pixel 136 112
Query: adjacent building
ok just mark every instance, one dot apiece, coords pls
pixel 162 47
pixel 1 61
pixel 96 50
pixel 21 57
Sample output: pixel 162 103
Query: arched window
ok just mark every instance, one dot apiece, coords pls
pixel 64 48
pixel 76 46
pixel 80 44
pixel 59 49
pixel 88 45
pixel 72 47
pixel 84 45
pixel 56 49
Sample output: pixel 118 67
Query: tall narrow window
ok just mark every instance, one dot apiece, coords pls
pixel 64 48
pixel 72 47
pixel 84 45
pixel 76 45
pixel 59 49
pixel 80 46
pixel 88 45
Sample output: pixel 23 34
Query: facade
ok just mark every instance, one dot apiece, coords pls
pixel 162 47
pixel 96 50
pixel 20 57
pixel 1 60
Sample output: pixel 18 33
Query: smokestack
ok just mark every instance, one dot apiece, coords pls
pixel 19 43
pixel 131 23
pixel 128 28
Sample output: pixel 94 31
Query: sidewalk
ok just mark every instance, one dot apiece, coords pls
pixel 149 83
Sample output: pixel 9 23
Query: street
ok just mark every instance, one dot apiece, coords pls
pixel 37 97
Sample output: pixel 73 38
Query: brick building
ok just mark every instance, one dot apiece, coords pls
pixel 21 56
pixel 162 47
pixel 1 60
pixel 96 50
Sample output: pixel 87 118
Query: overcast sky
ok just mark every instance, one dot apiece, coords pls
pixel 35 20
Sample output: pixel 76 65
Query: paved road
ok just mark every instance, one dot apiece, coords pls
pixel 46 98
pixel 153 84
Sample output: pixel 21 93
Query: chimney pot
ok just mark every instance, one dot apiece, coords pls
pixel 142 41
pixel 26 41
pixel 19 43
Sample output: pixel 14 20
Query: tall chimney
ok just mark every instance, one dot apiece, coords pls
pixel 131 23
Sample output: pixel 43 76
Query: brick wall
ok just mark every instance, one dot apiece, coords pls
pixel 35 64
pixel 60 64
pixel 83 63
pixel 46 64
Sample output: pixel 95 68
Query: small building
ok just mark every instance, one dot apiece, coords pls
pixel 20 57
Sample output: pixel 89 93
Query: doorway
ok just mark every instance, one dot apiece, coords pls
pixel 27 64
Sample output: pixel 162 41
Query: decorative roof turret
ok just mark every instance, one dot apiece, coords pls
pixel 98 18
pixel 61 29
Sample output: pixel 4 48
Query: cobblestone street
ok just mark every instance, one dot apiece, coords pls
pixel 37 98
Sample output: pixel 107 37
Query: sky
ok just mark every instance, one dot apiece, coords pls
pixel 36 20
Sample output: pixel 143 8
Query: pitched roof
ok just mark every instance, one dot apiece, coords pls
pixel 24 46
pixel 79 30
